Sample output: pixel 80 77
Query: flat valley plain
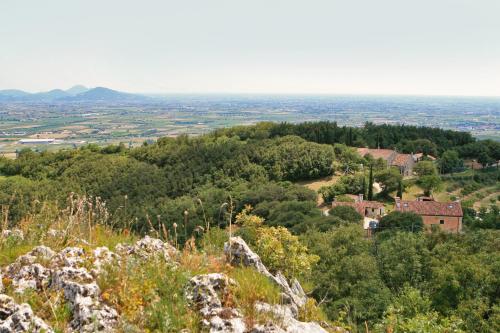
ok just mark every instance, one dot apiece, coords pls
pixel 75 124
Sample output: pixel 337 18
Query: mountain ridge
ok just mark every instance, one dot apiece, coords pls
pixel 77 93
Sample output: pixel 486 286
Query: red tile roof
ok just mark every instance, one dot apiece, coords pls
pixel 376 153
pixel 401 159
pixel 431 208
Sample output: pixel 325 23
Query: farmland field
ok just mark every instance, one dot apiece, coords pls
pixel 74 124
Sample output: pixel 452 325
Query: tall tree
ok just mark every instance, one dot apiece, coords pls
pixel 400 190
pixel 370 184
pixel 363 190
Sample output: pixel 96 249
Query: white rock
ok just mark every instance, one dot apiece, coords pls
pixel 69 257
pixel 284 316
pixel 65 273
pixel 14 233
pixel 205 292
pixel 147 248
pixel 60 277
pixel 102 257
pixel 238 253
pixel 33 276
pixel 26 272
pixel 15 318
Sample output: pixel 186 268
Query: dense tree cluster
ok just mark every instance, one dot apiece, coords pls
pixel 404 138
pixel 454 277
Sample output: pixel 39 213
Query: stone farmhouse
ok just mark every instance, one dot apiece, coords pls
pixel 366 208
pixel 446 215
pixel 403 162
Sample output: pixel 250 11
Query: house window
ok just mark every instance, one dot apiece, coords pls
pixel 441 221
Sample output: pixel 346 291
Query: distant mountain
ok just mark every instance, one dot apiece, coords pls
pixel 49 95
pixel 78 89
pixel 101 94
pixel 9 95
pixel 77 93
pixel 13 93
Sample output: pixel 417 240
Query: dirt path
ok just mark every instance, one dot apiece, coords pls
pixel 486 201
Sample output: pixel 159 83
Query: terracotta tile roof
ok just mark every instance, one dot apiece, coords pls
pixel 401 159
pixel 431 208
pixel 359 206
pixel 376 153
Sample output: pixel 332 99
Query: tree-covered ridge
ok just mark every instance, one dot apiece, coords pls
pixel 405 138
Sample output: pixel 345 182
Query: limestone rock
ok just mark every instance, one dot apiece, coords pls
pixel 15 318
pixel 69 257
pixel 102 257
pixel 205 293
pixel 33 276
pixel 239 253
pixel 89 314
pixel 27 272
pixel 14 233
pixel 287 320
pixel 83 294
pixel 147 248
pixel 63 271
pixel 66 274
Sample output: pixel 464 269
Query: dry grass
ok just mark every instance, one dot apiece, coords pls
pixel 316 184
pixel 253 287
pixel 148 294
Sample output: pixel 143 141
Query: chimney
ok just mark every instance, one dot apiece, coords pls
pixel 398 202
pixel 360 197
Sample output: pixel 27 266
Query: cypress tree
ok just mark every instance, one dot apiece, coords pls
pixel 363 189
pixel 400 190
pixel 370 184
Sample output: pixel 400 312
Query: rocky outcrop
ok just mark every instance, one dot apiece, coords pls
pixel 42 268
pixel 286 319
pixel 148 247
pixel 102 257
pixel 27 272
pixel 17 318
pixel 89 314
pixel 69 257
pixel 238 253
pixel 74 272
pixel 206 293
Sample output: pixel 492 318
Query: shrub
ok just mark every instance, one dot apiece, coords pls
pixel 346 213
pixel 344 198
pixel 282 251
pixel 404 221
pixel 213 241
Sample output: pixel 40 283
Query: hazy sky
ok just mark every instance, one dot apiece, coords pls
pixel 253 46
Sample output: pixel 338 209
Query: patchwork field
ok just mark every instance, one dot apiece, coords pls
pixel 74 124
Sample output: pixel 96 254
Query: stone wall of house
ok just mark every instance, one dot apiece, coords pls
pixel 451 223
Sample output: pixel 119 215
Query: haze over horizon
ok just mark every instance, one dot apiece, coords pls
pixel 388 47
